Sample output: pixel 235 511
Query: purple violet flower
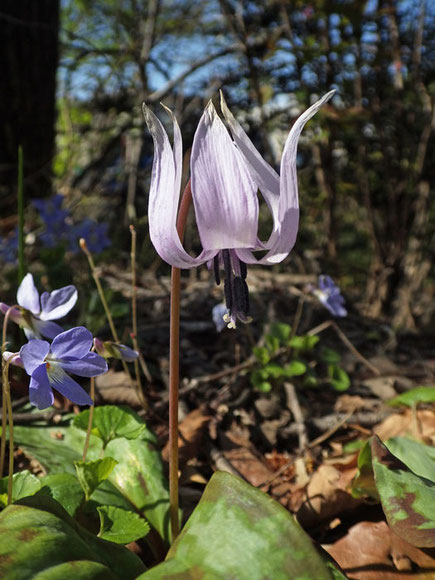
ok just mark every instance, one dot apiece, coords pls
pixel 48 365
pixel 35 314
pixel 110 349
pixel 330 296
pixel 225 176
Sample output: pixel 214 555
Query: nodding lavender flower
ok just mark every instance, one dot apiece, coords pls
pixel 226 174
pixel 48 366
pixel 110 349
pixel 35 314
pixel 330 296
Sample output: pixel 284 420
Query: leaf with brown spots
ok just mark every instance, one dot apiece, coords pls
pixel 408 500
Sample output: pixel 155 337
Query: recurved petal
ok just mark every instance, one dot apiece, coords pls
pixel 27 295
pixel 40 393
pixel 224 194
pixel 165 193
pixel 33 354
pixel 283 237
pixel 58 303
pixel 263 174
pixel 75 343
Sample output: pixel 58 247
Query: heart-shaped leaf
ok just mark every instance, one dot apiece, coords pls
pixel 65 489
pixel 237 531
pixel 110 422
pixel 23 485
pixel 91 473
pixel 121 526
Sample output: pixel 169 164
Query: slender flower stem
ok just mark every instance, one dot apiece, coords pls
pixel 298 316
pixel 4 395
pixel 96 278
pixel 91 416
pixel 7 395
pixel 174 378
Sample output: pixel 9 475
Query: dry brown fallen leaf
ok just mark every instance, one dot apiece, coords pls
pixel 326 497
pixel 191 431
pixel 371 551
pixel 419 424
pixel 117 388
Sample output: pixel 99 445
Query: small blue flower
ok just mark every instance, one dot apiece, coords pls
pixel 94 234
pixel 48 365
pixel 330 296
pixel 219 315
pixel 9 248
pixel 35 314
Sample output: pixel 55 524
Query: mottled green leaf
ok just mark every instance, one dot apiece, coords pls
pixel 237 531
pixel 121 526
pixel 91 473
pixel 23 484
pixel 364 482
pixel 414 396
pixel 44 542
pixel 407 499
pixel 110 422
pixel 418 457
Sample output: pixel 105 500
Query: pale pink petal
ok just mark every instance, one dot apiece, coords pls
pixel 282 239
pixel 224 194
pixel 164 195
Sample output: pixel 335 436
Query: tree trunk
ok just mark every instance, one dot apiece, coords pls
pixel 28 61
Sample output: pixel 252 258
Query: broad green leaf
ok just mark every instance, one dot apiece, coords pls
pixel 418 457
pixel 364 480
pixel 24 484
pixel 138 478
pixel 273 371
pixel 121 526
pixel 43 541
pixel 261 354
pixel 237 531
pixel 110 422
pixel 280 331
pixel 328 355
pixel 414 396
pixel 65 489
pixel 295 368
pixel 91 473
pixel 407 499
pixel 338 378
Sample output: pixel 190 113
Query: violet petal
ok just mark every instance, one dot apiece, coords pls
pixel 33 354
pixel 28 296
pixel 40 393
pixel 69 388
pixel 58 303
pixel 75 342
pixel 90 365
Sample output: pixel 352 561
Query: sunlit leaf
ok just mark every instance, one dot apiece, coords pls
pixel 110 422
pixel 121 526
pixel 414 396
pixel 91 473
pixel 23 484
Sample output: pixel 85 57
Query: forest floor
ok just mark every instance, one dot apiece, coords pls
pixel 298 444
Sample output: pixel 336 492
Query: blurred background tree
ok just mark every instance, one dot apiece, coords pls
pixel 365 161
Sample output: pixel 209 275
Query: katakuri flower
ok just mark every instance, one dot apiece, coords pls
pixel 330 296
pixel 48 366
pixel 226 174
pixel 35 314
